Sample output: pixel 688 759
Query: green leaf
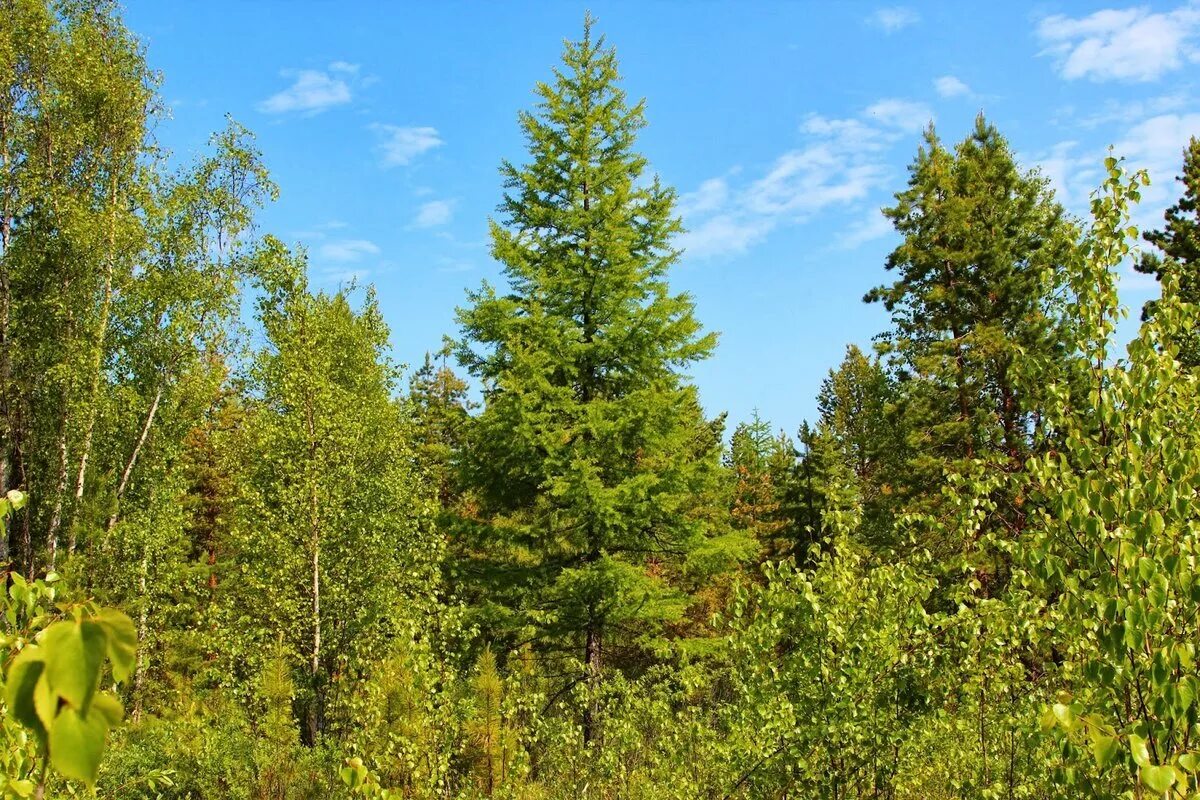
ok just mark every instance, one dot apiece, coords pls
pixel 1064 715
pixel 22 787
pixel 1104 748
pixel 73 653
pixel 1158 779
pixel 121 638
pixel 16 499
pixel 23 676
pixel 1139 751
pixel 108 707
pixel 76 744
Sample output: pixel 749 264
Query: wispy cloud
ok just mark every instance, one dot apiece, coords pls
pixel 840 163
pixel 434 213
pixel 890 19
pixel 950 86
pixel 709 196
pixel 346 251
pixel 902 115
pixel 1132 44
pixel 1154 144
pixel 874 225
pixel 1131 111
pixel 312 91
pixel 399 145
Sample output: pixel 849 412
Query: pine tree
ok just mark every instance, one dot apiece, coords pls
pixel 979 282
pixel 592 444
pixel 1179 244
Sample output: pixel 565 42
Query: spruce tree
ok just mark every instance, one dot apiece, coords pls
pixel 591 448
pixel 437 400
pixel 1179 244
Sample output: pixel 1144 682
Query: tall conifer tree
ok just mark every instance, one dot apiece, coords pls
pixel 1178 243
pixel 980 280
pixel 592 446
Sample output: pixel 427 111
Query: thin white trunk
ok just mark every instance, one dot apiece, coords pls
pixel 60 489
pixel 97 369
pixel 139 672
pixel 133 457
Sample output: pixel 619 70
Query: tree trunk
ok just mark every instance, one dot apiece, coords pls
pixel 316 709
pixel 5 362
pixel 60 489
pixel 139 671
pixel 96 371
pixel 133 457
pixel 593 663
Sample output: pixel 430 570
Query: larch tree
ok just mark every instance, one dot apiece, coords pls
pixel 865 439
pixel 591 445
pixel 441 411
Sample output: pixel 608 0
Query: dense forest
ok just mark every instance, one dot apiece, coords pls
pixel 247 557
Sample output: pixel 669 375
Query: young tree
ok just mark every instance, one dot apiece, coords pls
pixel 441 412
pixel 1178 243
pixel 333 533
pixel 859 424
pixel 755 505
pixel 591 446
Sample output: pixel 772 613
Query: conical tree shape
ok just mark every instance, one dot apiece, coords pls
pixel 591 446
pixel 1178 243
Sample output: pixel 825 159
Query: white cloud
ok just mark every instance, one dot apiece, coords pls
pixel 850 133
pixel 446 264
pixel 345 251
pixel 808 179
pixel 400 145
pixel 710 196
pixel 724 234
pixel 1062 167
pixel 1130 44
pixel 312 91
pixel 950 86
pixel 840 163
pixel 893 18
pixel 434 213
pixel 344 277
pixel 903 115
pixel 871 227
pixel 1157 145
pixel 1128 111
pixel 344 67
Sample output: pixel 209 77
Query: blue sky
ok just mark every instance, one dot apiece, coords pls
pixel 784 126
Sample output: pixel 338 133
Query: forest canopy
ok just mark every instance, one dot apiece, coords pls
pixel 246 555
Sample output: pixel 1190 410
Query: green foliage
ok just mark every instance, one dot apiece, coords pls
pixel 591 451
pixel 1178 246
pixel 972 577
pixel 981 279
pixel 55 713
pixel 1110 562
